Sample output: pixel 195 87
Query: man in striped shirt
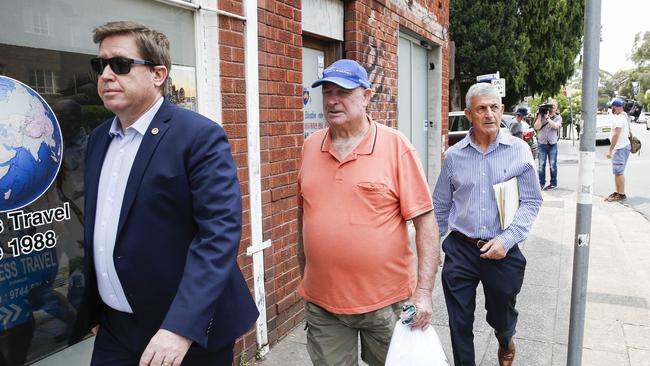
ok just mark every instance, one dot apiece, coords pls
pixel 478 248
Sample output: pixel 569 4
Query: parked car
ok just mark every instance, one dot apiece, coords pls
pixel 603 128
pixel 459 125
pixel 643 117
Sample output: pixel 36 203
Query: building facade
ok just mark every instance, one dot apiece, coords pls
pixel 247 65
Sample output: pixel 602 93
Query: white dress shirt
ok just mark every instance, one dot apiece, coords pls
pixel 112 184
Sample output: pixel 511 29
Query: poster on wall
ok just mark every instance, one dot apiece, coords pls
pixel 37 214
pixel 182 87
pixel 312 100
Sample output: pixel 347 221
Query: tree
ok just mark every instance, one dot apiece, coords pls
pixel 532 43
pixel 488 39
pixel 607 85
pixel 626 77
pixel 641 49
pixel 555 29
pixel 575 82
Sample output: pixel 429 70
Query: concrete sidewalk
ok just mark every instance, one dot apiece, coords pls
pixel 617 331
pixel 568 151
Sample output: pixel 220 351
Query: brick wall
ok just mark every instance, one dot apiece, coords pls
pixel 281 131
pixel 371 37
pixel 280 38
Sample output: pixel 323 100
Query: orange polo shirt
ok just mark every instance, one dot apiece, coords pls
pixel 358 257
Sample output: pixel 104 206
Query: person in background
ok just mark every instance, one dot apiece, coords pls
pixel 516 126
pixel 548 125
pixel 619 149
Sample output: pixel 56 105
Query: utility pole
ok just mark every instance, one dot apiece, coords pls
pixel 585 182
pixel 573 123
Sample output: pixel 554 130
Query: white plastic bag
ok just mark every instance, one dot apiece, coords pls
pixel 415 347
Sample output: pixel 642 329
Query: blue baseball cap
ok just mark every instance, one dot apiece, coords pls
pixel 617 102
pixel 347 74
pixel 522 111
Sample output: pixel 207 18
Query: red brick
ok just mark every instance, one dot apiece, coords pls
pixel 231 38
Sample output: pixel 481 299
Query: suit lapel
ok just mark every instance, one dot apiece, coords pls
pixel 93 171
pixel 143 157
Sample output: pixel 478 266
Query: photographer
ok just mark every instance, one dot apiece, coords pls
pixel 547 123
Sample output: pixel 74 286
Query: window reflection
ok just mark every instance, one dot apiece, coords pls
pixel 40 292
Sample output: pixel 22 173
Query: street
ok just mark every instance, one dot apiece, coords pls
pixel 636 172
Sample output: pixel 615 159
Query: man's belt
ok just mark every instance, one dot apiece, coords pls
pixel 479 243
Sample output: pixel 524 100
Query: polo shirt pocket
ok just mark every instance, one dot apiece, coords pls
pixel 371 202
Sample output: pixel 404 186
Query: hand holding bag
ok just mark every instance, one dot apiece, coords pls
pixel 415 347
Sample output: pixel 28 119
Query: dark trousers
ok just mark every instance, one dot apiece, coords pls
pixel 501 279
pixel 121 340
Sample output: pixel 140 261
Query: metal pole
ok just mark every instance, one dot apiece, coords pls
pixel 585 182
pixel 573 140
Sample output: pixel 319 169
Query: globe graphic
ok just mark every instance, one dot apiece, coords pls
pixel 31 145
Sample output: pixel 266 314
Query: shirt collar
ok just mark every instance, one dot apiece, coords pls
pixel 365 147
pixel 502 138
pixel 140 125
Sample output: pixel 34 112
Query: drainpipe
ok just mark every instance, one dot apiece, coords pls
pixel 194 6
pixel 251 76
pixel 251 65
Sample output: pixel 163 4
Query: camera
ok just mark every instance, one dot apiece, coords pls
pixel 544 108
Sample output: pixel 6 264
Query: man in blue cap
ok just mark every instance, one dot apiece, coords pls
pixel 359 182
pixel 516 127
pixel 619 148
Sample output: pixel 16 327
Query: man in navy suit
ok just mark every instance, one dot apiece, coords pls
pixel 163 225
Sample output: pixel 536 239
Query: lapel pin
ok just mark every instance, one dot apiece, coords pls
pixel 154 131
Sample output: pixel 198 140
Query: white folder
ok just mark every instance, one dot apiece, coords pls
pixel 507 197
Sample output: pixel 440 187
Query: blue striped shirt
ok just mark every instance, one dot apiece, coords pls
pixel 464 199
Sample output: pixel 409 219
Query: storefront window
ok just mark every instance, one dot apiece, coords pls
pixel 47 45
pixel 44 81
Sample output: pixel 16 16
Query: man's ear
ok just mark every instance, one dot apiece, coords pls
pixel 367 93
pixel 160 73
pixel 468 114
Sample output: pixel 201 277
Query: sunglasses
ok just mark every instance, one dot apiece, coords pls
pixel 119 65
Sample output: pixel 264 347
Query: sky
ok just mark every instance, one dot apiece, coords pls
pixel 618 30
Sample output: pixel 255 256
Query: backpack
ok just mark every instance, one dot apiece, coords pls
pixel 635 143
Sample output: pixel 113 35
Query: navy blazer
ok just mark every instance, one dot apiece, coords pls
pixel 178 233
